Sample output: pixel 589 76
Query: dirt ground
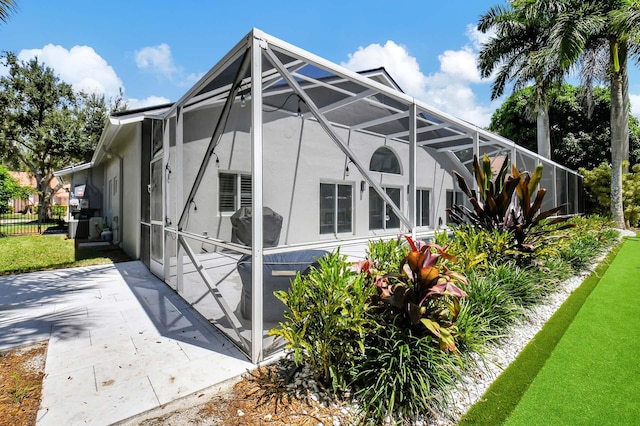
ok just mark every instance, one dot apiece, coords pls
pixel 260 398
pixel 21 374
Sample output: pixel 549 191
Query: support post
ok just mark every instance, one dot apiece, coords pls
pixel 412 168
pixel 179 200
pixel 256 203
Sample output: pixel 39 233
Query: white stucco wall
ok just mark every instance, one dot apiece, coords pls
pixel 124 219
pixel 298 156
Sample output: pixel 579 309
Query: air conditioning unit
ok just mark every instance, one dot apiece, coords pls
pixel 95 227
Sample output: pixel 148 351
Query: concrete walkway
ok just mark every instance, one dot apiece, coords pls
pixel 121 342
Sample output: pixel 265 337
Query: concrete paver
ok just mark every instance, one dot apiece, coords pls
pixel 121 342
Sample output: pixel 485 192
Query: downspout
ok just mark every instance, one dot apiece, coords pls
pixel 120 195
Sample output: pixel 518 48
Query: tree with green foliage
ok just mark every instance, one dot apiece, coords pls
pixel 513 53
pixel 600 37
pixel 578 139
pixel 597 187
pixel 10 189
pixel 7 7
pixel 44 125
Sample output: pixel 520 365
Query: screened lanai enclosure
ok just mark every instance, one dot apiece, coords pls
pixel 329 158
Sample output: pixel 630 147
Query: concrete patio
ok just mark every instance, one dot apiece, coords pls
pixel 121 342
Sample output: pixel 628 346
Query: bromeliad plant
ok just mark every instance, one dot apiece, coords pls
pixel 507 203
pixel 423 296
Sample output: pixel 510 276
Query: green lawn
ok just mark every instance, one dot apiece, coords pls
pixel 582 366
pixel 592 376
pixel 39 252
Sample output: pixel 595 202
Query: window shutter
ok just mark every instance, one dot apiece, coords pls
pixel 245 190
pixel 227 194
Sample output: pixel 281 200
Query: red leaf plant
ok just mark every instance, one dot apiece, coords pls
pixel 423 295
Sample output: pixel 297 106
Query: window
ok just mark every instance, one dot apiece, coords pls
pixel 336 205
pixel 453 197
pixel 381 216
pixel 384 160
pixel 156 136
pixel 422 207
pixel 234 191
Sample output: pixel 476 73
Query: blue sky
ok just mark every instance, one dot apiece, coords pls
pixel 155 50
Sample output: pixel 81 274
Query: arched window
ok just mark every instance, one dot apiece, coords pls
pixel 384 160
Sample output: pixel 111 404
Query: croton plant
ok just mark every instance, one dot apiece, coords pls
pixel 423 295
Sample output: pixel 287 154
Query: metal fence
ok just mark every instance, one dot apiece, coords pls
pixel 27 223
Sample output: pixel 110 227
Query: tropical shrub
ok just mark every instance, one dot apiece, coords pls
pixel 423 296
pixel 597 186
pixel 507 203
pixel 413 356
pixel 10 189
pixel 387 255
pixel 475 248
pixel 59 210
pixel 328 319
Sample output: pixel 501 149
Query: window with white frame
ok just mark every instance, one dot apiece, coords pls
pixel 423 197
pixel 385 160
pixel 381 216
pixel 234 191
pixel 336 208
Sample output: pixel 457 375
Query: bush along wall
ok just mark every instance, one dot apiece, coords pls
pixel 395 331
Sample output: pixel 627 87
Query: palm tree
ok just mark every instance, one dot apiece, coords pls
pixel 6 8
pixel 521 34
pixel 585 31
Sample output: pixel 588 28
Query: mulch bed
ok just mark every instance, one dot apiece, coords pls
pixel 21 374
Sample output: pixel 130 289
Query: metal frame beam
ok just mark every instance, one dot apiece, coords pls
pixel 445 139
pixel 326 125
pixel 213 289
pixel 220 126
pixel 381 120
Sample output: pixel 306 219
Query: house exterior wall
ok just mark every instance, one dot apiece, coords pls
pixel 298 156
pixel 122 174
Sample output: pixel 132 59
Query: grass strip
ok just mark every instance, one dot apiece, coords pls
pixel 592 377
pixel 505 392
pixel 41 252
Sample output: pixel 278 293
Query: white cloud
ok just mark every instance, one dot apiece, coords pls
pixel 159 60
pixel 79 66
pixel 461 64
pixel 85 70
pixel 133 103
pixel 449 89
pixel 478 38
pixel 396 60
